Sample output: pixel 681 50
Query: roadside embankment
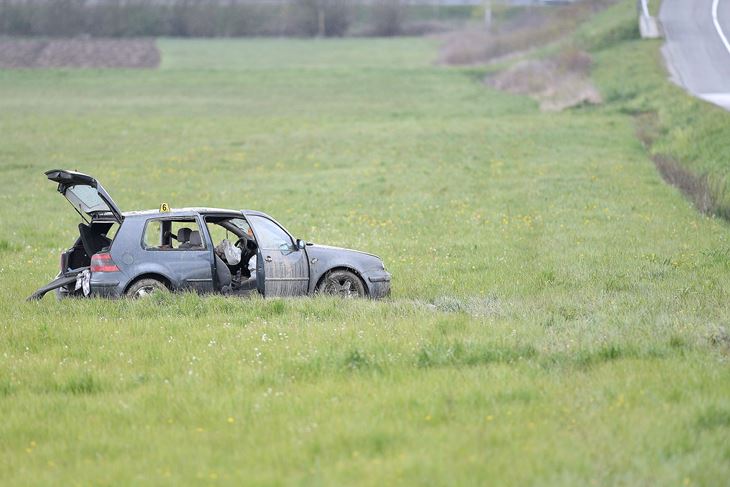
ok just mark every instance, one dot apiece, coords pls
pixel 557 82
pixel 688 139
pixel 601 58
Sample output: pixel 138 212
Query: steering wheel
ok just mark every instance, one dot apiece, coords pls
pixel 245 243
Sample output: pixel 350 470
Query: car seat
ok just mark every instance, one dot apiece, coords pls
pixel 193 242
pixel 183 236
pixel 223 273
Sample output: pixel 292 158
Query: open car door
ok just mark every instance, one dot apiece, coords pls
pixel 282 269
pixel 85 194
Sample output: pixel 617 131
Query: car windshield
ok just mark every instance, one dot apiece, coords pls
pixel 242 225
pixel 86 199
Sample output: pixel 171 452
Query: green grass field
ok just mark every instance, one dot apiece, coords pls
pixel 559 315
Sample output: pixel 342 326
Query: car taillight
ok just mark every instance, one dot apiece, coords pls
pixel 103 263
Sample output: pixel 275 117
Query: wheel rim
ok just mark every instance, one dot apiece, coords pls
pixel 144 291
pixel 344 286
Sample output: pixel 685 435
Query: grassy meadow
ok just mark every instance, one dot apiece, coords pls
pixel 558 317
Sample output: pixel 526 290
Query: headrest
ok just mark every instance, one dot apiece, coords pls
pixel 195 240
pixel 183 235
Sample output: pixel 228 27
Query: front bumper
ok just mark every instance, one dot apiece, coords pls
pixel 378 283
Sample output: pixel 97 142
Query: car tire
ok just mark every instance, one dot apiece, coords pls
pixel 342 283
pixel 145 287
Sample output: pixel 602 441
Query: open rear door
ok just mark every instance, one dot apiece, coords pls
pixel 84 193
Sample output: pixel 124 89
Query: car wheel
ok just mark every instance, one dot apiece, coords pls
pixel 145 287
pixel 342 283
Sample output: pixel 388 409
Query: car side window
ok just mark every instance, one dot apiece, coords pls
pixel 152 234
pixel 172 234
pixel 269 235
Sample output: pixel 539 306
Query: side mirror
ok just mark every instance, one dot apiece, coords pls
pixel 301 244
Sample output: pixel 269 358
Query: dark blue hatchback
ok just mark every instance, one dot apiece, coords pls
pixel 206 250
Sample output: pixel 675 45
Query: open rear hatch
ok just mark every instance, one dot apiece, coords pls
pixel 93 203
pixel 85 194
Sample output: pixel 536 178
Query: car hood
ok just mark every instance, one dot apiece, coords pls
pixel 364 259
pixel 330 248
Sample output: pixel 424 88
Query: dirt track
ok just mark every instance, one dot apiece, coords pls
pixel 79 53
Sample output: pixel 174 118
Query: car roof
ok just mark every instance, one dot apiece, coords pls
pixel 191 211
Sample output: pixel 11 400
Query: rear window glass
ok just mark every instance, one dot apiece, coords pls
pixel 86 199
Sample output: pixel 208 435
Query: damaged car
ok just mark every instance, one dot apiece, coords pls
pixel 207 250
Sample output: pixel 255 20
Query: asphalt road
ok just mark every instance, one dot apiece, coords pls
pixel 697 46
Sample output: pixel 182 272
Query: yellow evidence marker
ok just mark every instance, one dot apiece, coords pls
pixel 164 208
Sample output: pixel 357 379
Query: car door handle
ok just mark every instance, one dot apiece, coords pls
pixel 268 258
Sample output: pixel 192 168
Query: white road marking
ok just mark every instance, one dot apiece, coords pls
pixel 717 25
pixel 722 99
